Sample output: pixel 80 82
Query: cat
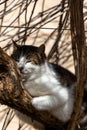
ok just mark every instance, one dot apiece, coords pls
pixel 51 86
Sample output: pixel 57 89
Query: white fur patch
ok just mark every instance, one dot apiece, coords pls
pixel 50 94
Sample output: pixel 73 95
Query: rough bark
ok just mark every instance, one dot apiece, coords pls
pixel 13 94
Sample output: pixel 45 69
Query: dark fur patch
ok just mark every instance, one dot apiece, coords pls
pixel 33 54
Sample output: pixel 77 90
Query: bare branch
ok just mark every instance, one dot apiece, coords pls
pixel 78 48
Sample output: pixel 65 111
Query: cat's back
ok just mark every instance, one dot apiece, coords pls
pixel 63 75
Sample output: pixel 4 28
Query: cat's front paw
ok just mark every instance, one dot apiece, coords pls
pixel 37 103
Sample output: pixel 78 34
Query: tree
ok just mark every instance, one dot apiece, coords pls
pixel 14 95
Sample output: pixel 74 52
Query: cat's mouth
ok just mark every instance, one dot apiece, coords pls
pixel 22 74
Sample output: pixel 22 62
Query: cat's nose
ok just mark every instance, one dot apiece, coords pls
pixel 21 69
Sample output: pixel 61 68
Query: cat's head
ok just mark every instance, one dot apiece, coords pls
pixel 29 58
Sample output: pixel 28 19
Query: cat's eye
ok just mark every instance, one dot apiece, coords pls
pixel 35 62
pixel 28 61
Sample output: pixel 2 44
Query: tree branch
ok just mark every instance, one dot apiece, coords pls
pixel 14 95
pixel 80 57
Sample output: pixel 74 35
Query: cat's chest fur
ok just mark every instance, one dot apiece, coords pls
pixel 49 93
pixel 42 83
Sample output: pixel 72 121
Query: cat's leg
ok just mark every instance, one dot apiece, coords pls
pixel 52 101
pixel 44 102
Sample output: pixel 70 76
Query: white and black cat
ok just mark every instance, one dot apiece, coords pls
pixel 52 86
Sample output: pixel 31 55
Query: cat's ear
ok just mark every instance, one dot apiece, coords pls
pixel 15 45
pixel 42 48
